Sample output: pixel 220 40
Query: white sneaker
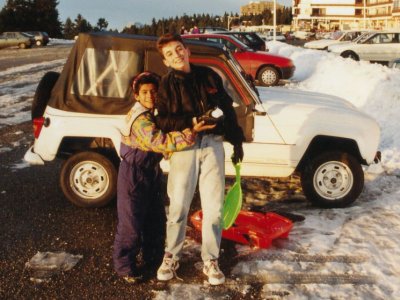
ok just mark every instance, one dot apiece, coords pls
pixel 168 268
pixel 214 274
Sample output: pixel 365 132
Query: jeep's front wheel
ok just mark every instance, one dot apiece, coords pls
pixel 89 179
pixel 332 179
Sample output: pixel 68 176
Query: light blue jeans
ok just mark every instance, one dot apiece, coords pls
pixel 203 162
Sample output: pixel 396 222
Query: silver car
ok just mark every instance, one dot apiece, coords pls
pixel 20 39
pixel 382 46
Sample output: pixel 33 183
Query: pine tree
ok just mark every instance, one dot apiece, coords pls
pixel 16 15
pixel 31 15
pixel 82 25
pixel 102 24
pixel 46 16
pixel 69 31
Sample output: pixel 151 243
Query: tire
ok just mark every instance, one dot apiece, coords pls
pixel 268 76
pixel 38 43
pixel 42 94
pixel 332 179
pixel 350 54
pixel 22 46
pixel 89 179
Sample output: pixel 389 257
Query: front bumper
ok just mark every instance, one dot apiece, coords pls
pixel 287 72
pixel 33 158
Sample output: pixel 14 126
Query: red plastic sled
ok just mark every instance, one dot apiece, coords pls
pixel 252 228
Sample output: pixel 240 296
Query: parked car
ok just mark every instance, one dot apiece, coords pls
pixel 41 37
pixel 382 47
pixel 269 36
pixel 334 38
pixel 251 39
pixel 303 35
pixel 265 67
pixel 79 118
pixel 20 39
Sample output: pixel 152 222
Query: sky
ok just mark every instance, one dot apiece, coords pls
pixel 121 13
pixel 349 253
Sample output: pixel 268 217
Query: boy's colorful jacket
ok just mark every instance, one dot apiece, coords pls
pixel 144 134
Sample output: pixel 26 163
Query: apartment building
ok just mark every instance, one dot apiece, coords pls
pixel 257 7
pixel 346 14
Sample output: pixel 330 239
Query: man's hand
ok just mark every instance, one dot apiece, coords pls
pixel 238 154
pixel 200 126
pixel 212 116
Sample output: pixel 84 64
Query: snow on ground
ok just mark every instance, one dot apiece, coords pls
pixel 338 253
pixel 18 87
pixel 334 254
pixel 60 42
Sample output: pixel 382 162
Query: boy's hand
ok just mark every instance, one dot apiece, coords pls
pixel 201 126
pixel 238 154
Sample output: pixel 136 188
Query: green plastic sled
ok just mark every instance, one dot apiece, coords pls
pixel 233 201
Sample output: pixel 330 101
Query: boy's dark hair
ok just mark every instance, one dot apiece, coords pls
pixel 167 38
pixel 145 78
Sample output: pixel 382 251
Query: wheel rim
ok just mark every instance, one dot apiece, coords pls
pixel 89 180
pixel 38 43
pixel 268 77
pixel 333 180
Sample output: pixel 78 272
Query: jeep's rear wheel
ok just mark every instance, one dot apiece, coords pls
pixel 268 76
pixel 332 179
pixel 89 179
pixel 42 94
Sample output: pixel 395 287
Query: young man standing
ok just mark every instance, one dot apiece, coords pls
pixel 187 94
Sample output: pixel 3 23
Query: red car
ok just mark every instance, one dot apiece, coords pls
pixel 267 68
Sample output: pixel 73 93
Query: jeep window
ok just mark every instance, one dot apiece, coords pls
pixel 105 73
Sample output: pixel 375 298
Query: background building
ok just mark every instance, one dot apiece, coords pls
pixel 257 7
pixel 346 14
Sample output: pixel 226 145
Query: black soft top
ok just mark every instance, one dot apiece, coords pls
pixel 98 73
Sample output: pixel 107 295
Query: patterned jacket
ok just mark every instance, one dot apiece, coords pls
pixel 145 136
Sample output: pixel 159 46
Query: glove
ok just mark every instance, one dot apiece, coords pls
pixel 212 116
pixel 238 154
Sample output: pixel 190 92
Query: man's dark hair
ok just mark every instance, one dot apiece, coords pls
pixel 145 78
pixel 167 38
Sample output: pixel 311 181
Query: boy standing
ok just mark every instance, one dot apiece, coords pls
pixel 187 94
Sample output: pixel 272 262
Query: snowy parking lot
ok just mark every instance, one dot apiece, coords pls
pixel 350 253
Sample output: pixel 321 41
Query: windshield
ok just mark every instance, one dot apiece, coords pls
pixel 247 78
pixel 242 45
pixel 252 37
pixel 27 34
pixel 336 35
pixel 364 37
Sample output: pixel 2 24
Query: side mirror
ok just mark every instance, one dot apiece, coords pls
pixel 259 113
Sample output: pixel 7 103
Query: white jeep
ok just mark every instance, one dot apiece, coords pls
pixel 78 115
